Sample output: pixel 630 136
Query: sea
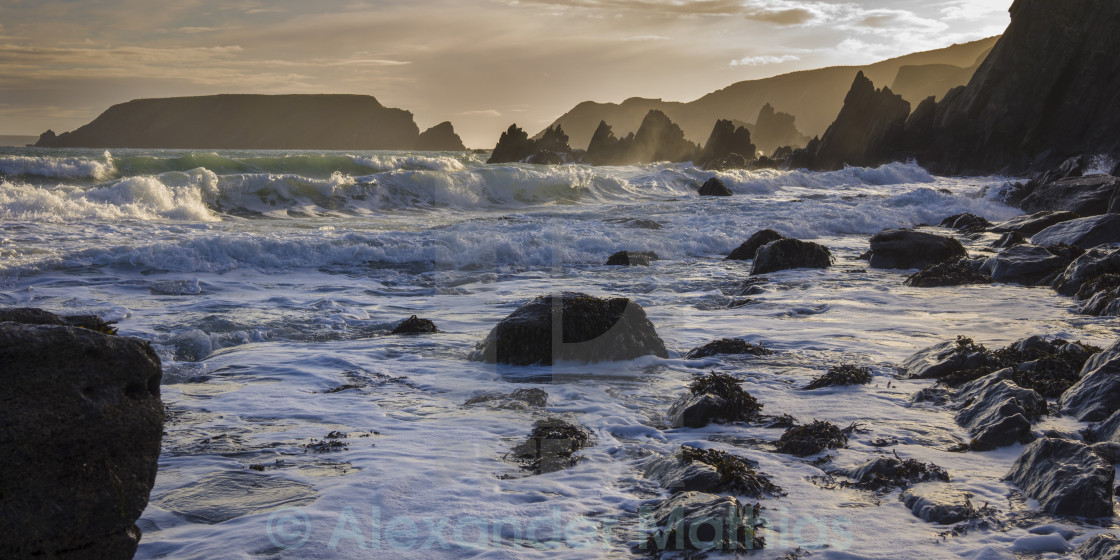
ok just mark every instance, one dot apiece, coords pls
pixel 299 427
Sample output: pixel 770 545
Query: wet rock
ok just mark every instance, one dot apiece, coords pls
pixel 886 473
pixel 1094 263
pixel 726 140
pixel 1066 477
pixel 715 187
pixel 938 503
pixel 943 359
pixel 1023 264
pixel 591 330
pixel 415 325
pixel 726 346
pixel 966 222
pixel 949 273
pixel 701 521
pixel 1086 196
pixel 1009 239
pixel 35 316
pixel 716 397
pixel 1101 296
pixel 80 429
pixel 997 412
pixel 1104 546
pixel 1107 430
pixel 632 258
pixel 709 470
pixel 1096 396
pixel 845 374
pixel 1033 223
pixel 899 248
pixel 810 439
pixel 786 254
pixel 521 399
pixel 748 249
pixel 1082 232
pixel 552 446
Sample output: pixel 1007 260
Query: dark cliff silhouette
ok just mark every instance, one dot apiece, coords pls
pixel 323 122
pixel 775 129
pixel 867 132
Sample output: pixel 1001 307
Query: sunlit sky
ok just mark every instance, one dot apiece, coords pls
pixel 480 64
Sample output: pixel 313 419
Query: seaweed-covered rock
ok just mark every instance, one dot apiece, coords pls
pixel 748 249
pixel 997 412
pixel 966 222
pixel 844 374
pixel 943 359
pixel 886 473
pixel 591 330
pixel 726 346
pixel 701 521
pixel 714 397
pixel 1104 546
pixel 902 249
pixel 1066 477
pixel 785 254
pixel 715 187
pixel 1031 224
pixel 710 470
pixel 1023 264
pixel 632 258
pixel 811 439
pixel 948 273
pixel 552 446
pixel 415 325
pixel 1101 296
pixel 1081 232
pixel 1096 396
pixel 1094 263
pixel 938 503
pixel 521 399
pixel 80 428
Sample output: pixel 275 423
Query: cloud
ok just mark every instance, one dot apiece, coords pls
pixel 479 113
pixel 972 10
pixel 643 38
pixel 764 60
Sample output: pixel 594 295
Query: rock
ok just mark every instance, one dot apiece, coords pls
pixel 35 316
pixel 515 145
pixel 440 138
pixel 1082 232
pixel 678 475
pixel 657 139
pixel 415 325
pixel 591 330
pixel 943 359
pixel 228 495
pixel 966 222
pixel 997 412
pixel 1033 223
pixel 938 503
pixel 1023 264
pixel 715 397
pixel 785 254
pixel 948 273
pixel 726 346
pixel 715 187
pixel 700 521
pixel 725 140
pixel 80 430
pixel 1097 395
pixel 552 446
pixel 1103 296
pixel 1094 263
pixel 1008 240
pixel 1104 546
pixel 810 439
pixel 1108 430
pixel 1107 450
pixel 632 258
pixel 709 470
pixel 1066 477
pixel 748 249
pixel 521 399
pixel 844 374
pixel 899 248
pixel 764 162
pixel 1086 196
pixel 886 473
pixel 774 129
pixel 867 131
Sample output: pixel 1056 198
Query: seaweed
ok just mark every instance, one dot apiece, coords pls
pixel 737 403
pixel 551 446
pixel 844 374
pixel 813 438
pixel 735 473
pixel 950 273
pixel 727 346
pixel 1052 368
pixel 899 473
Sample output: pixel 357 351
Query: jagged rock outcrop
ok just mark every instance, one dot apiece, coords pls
pixel 514 145
pixel 867 132
pixel 657 139
pixel 775 129
pixel 323 122
pixel 725 141
pixel 440 138
pixel 1085 196
pixel 80 428
pixel 1031 224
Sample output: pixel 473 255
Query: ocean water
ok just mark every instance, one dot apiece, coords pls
pixel 269 282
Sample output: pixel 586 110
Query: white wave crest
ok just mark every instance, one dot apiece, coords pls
pixel 59 167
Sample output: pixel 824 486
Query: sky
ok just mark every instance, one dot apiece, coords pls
pixel 481 64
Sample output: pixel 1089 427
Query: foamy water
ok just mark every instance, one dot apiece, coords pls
pixel 269 281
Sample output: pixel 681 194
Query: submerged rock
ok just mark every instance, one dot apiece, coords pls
pixel 716 397
pixel 80 431
pixel 1066 477
pixel 1023 264
pixel 591 330
pixel 899 248
pixel 632 258
pixel 1033 223
pixel 701 521
pixel 750 247
pixel 715 187
pixel 1081 232
pixel 948 273
pixel 228 495
pixel 521 399
pixel 552 446
pixel 786 254
pixel 886 473
pixel 35 316
pixel 845 374
pixel 726 346
pixel 709 470
pixel 938 503
pixel 415 325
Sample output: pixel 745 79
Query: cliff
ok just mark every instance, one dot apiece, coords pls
pixel 304 122
pixel 867 131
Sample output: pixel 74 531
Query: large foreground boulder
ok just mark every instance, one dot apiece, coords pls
pixel 1023 264
pixel 902 249
pixel 1082 232
pixel 786 254
pixel 80 427
pixel 997 412
pixel 750 247
pixel 571 327
pixel 1066 477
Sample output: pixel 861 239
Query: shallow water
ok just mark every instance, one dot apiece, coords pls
pixel 269 281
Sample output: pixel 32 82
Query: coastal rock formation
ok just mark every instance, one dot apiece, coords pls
pixel 1031 224
pixel 900 248
pixel 1104 546
pixel 280 122
pixel 657 139
pixel 786 254
pixel 715 397
pixel 774 129
pixel 949 273
pixel 750 247
pixel 725 141
pixel 440 138
pixel 966 222
pixel 415 325
pixel 867 131
pixel 943 359
pixel 709 470
pixel 1096 396
pixel 714 187
pixel 514 146
pixel 591 330
pixel 80 431
pixel 1085 196
pixel 1096 262
pixel 1066 477
pixel 727 346
pixel 704 522
pixel 1082 232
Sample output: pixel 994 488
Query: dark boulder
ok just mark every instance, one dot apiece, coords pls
pixel 726 139
pixel 841 375
pixel 715 397
pixel 551 446
pixel 701 522
pixel 1108 430
pixel 591 330
pixel 902 249
pixel 997 412
pixel 786 254
pixel 715 187
pixel 938 503
pixel 1023 264
pixel 632 258
pixel 1101 296
pixel 1086 196
pixel 80 429
pixel 960 272
pixel 1097 395
pixel 748 249
pixel 966 222
pixel 415 325
pixel 868 130
pixel 1066 477
pixel 440 138
pixel 1008 240
pixel 731 346
pixel 35 316
pixel 1082 232
pixel 1031 224
pixel 1089 266
pixel 521 399
pixel 1104 546
pixel 943 359
pixel 883 474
